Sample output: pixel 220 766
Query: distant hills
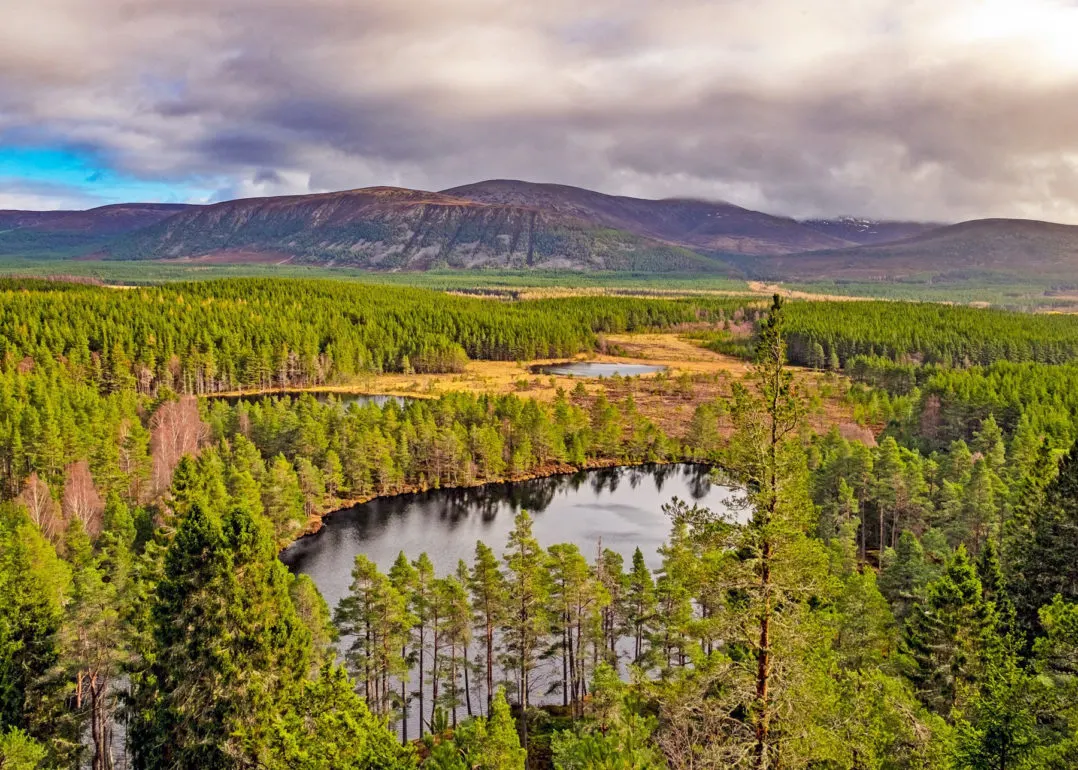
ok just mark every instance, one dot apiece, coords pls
pixel 701 225
pixel 58 233
pixel 508 223
pixel 394 228
pixel 1029 247
pixel 868 231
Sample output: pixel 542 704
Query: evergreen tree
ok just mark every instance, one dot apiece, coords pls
pixel 904 575
pixel 374 617
pixel 945 636
pixel 489 606
pixel 422 601
pixel 1046 557
pixel 775 566
pixel 330 727
pixel 228 649
pixel 528 611
pixel 34 583
pixel 403 577
pixel 640 603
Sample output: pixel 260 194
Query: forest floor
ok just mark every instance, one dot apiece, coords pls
pixel 694 375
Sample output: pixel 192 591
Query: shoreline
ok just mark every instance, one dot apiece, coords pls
pixel 315 522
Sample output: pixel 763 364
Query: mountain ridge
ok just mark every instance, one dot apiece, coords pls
pixel 516 224
pixel 994 244
pixel 400 228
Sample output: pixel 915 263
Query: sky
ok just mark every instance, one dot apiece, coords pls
pixel 937 110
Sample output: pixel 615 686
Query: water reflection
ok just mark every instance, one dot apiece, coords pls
pixel 622 507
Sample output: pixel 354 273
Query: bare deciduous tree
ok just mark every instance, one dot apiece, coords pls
pixel 37 499
pixel 81 499
pixel 178 430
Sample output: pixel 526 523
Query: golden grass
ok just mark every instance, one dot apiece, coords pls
pixel 695 375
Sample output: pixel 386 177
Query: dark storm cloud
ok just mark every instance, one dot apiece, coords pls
pixel 914 109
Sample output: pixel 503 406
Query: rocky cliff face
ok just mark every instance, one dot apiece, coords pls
pixel 396 228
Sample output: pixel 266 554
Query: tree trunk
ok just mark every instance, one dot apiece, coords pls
pixel 404 706
pixel 467 686
pixel 564 662
pixel 490 663
pixel 434 674
pixel 422 698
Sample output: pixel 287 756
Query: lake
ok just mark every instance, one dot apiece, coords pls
pixel 620 506
pixel 597 369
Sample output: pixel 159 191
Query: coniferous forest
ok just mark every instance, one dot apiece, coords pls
pixel 905 601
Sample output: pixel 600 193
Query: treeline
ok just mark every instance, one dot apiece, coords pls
pixel 211 336
pixel 931 406
pixel 455 440
pixel 66 447
pixel 830 334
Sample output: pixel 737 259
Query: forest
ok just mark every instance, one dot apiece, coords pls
pixel 198 338
pixel 908 602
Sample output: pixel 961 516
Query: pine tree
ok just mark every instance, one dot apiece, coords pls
pixel 228 650
pixel 95 643
pixel 34 583
pixel 777 567
pixel 489 606
pixel 422 599
pixel 1046 555
pixel 640 604
pixel 527 616
pixel 403 577
pixel 945 636
pixel 374 615
pixel 330 727
pixel 502 748
pixel 904 574
pixel 316 616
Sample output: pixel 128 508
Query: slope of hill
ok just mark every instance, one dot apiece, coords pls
pixel 30 233
pixel 868 231
pixel 695 224
pixel 388 227
pixel 512 224
pixel 1036 248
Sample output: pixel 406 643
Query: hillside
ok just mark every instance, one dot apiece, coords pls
pixel 695 224
pixel 59 233
pixel 388 227
pixel 521 225
pixel 1029 246
pixel 864 232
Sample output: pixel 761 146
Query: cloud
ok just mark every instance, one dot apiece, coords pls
pixel 915 109
pixel 34 195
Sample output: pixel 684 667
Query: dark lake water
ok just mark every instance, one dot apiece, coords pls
pixel 596 369
pixel 322 396
pixel 621 506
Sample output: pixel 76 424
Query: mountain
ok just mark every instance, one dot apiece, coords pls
pixel 507 223
pixel 61 233
pixel 390 227
pixel 709 226
pixel 868 231
pixel 1036 248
